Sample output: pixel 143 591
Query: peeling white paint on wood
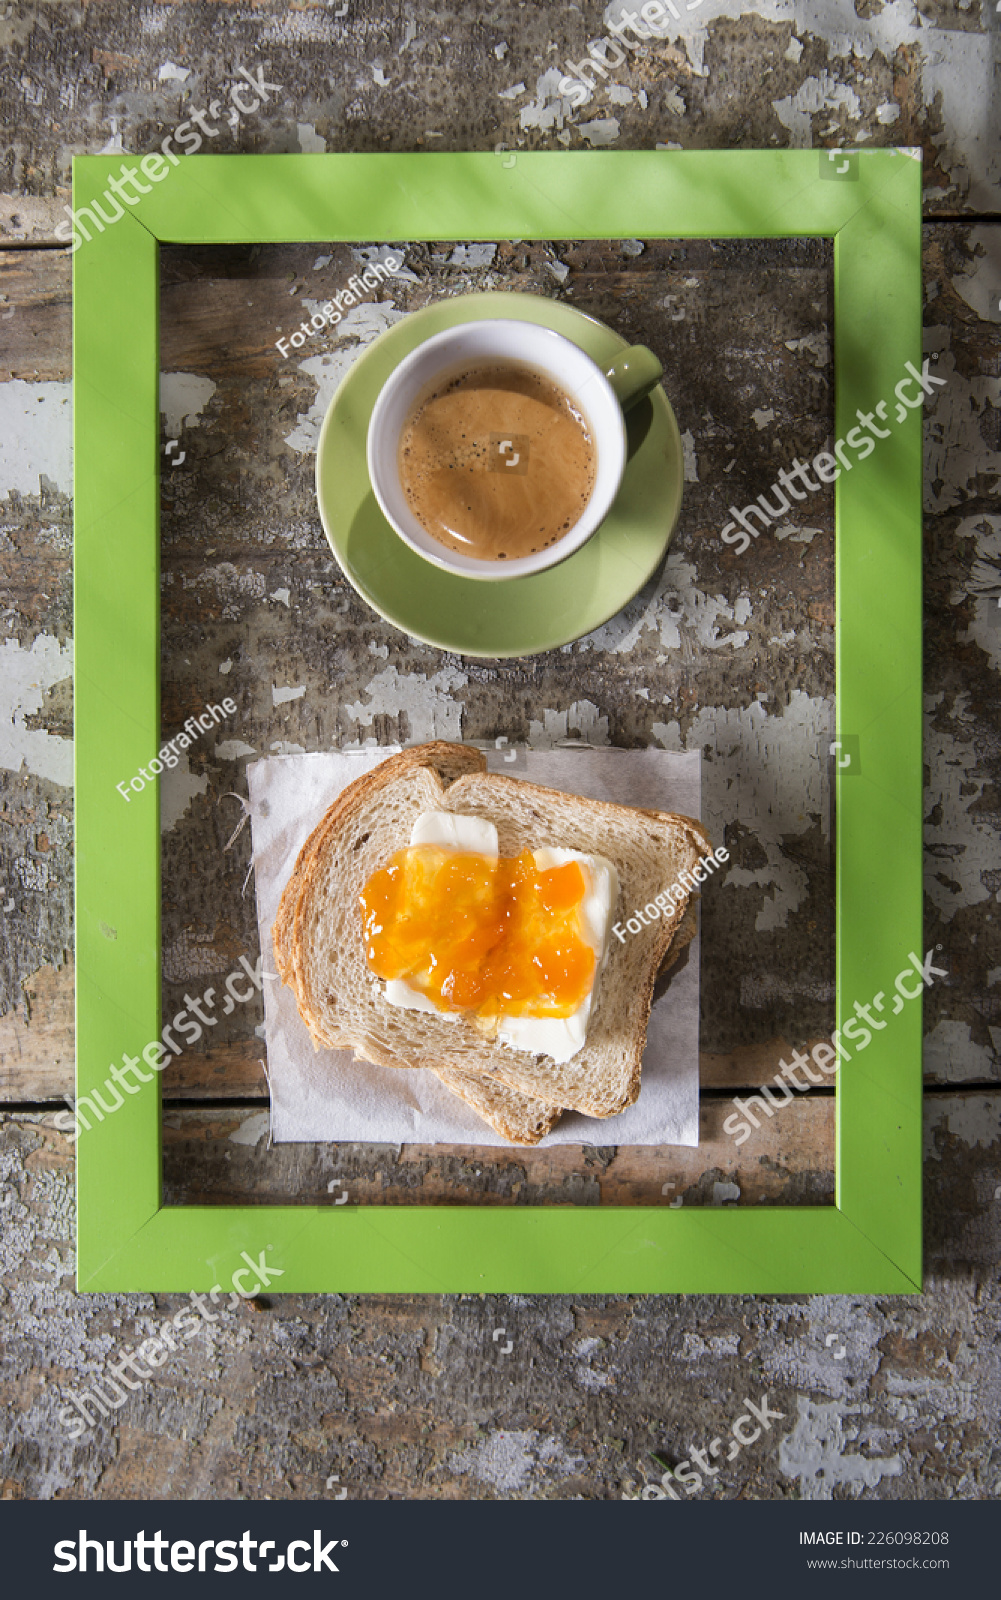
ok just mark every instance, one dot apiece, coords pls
pixel 825 93
pixel 252 1130
pixel 25 675
pixel 958 465
pixel 795 535
pixel 804 1360
pixel 960 848
pixel 310 142
pixel 690 458
pixel 549 109
pixel 511 1460
pixel 183 398
pixel 362 324
pixel 982 586
pixel 980 287
pixel 230 585
pixel 675 603
pixel 814 1453
pixel 770 774
pixel 956 76
pixel 36 437
pixel 818 345
pixel 582 721
pixel 191 955
pixel 233 749
pixel 970 1117
pixel 951 1054
pixel 178 787
pixel 472 255
pixel 427 704
pixel 600 132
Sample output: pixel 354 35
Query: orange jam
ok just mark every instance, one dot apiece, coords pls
pixel 480 933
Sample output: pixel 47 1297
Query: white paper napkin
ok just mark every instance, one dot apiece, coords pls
pixel 326 1095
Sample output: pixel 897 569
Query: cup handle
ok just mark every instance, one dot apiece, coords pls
pixel 633 374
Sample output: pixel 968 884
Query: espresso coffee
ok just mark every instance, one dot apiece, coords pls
pixel 496 461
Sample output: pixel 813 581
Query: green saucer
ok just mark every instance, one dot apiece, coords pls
pixel 516 616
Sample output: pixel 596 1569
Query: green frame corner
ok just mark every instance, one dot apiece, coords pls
pixel 870 1240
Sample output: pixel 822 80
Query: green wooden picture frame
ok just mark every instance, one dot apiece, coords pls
pixel 869 202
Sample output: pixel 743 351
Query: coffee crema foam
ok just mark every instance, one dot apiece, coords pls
pixel 496 461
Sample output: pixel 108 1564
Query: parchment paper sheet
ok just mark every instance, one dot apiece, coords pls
pixel 327 1095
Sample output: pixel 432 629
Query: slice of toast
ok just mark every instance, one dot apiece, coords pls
pixel 319 948
pixel 514 1116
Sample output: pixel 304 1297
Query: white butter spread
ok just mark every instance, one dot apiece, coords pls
pixel 474 834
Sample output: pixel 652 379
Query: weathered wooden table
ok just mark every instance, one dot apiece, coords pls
pixel 730 654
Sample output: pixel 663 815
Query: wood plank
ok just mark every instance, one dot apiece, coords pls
pixel 222 1158
pixel 37 1058
pixel 37 1055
